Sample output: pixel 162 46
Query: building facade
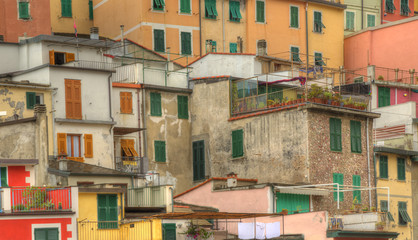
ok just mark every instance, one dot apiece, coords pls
pixel 361 14
pixel 66 15
pixel 394 10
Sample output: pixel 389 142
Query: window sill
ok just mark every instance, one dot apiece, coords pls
pixel 296 28
pixel 155 115
pixel 336 151
pixel 185 14
pixel 235 21
pixel 209 18
pixel 403 181
pixel 238 158
pixel 387 179
pixel 158 10
pixel 356 152
pixel 159 162
pixel 66 16
pixel 260 22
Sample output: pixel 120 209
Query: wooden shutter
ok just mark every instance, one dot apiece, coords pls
pixel 69 92
pixel 383 167
pixel 101 210
pixel 52 57
pixel 88 145
pixel 90 9
pixel 401 168
pixel 131 147
pixel 159 40
pixel 30 100
pixel 198 160
pixel 122 96
pixel 3 172
pixel 125 102
pixel 237 143
pixel 341 182
pixel 159 149
pixel 124 145
pixel 260 11
pixel 62 143
pixel 155 104
pixel 169 231
pixel 357 193
pixel 335 134
pixel 294 17
pixel 113 210
pixel 77 99
pixel 24 10
pixel 69 57
pixel 185 43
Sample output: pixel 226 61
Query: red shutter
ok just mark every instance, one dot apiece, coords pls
pixel 88 145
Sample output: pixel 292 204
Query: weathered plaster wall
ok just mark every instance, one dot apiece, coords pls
pixel 11 62
pixel 177 170
pixel 80 14
pixel 414 189
pixel 18 141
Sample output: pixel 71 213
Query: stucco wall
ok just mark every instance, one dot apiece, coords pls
pixel 11 62
pixel 18 141
pixel 80 13
pixel 369 7
pixel 396 15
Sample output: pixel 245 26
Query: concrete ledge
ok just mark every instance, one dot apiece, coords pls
pixel 19 161
pixel 336 109
pixel 23 120
pixel 65 120
pixel 395 151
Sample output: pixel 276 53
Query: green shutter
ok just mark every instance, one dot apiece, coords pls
pixel 401 169
pixel 294 16
pixel 383 96
pixel 260 11
pixel 318 24
pixel 383 206
pixel 107 211
pixel 405 8
pixel 210 9
pixel 234 11
pixel 159 45
pixel 295 54
pixel 46 234
pixel 101 210
pixel 186 43
pixel 292 202
pixel 355 134
pixel 24 10
pixel 198 160
pixel 3 173
pixel 383 167
pixel 183 107
pixel 357 183
pixel 371 20
pixel 30 100
pixel 159 150
pixel 91 9
pixel 169 231
pixel 349 20
pixel 338 178
pixel 155 104
pixel 335 134
pixel 66 8
pixel 185 6
pixel 237 143
pixel 403 213
pixel 158 5
pixel 233 47
pixel 318 59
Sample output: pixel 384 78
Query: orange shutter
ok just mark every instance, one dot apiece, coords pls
pixel 69 92
pixel 52 57
pixel 62 143
pixel 131 146
pixel 122 102
pixel 88 145
pixel 77 99
pixel 128 102
pixel 124 145
pixel 69 57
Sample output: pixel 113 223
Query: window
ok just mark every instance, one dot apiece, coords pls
pixel 371 20
pixel 128 149
pixel 335 134
pixel 383 96
pixel 88 145
pixel 338 178
pixel 73 99
pixel 66 9
pixel 389 6
pixel 3 177
pixel 355 134
pixel 73 145
pixel 318 25
pixel 24 10
pixel 349 21
pixel 401 168
pixel 357 193
pixel 158 5
pixel 237 143
pixel 169 231
pixel 405 8
pixel 383 166
pixel 262 47
pixel 46 234
pixel 125 102
pixel 260 11
pixel 294 203
pixel 318 59
pixel 234 11
pixel 294 17
pixel 58 58
pixel 403 214
pixel 186 43
pixel 91 9
pixel 198 160
pixel 159 149
pixel 210 46
pixel 30 100
pixel 384 208
pixel 294 52
pixel 159 42
pixel 233 47
pixel 183 107
pixel 185 6
pixel 210 9
pixel 155 104
pixel 69 145
pixel 107 211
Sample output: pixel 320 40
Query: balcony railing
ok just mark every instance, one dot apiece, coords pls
pixel 367 74
pixel 154 196
pixel 34 199
pixel 130 164
pixel 93 65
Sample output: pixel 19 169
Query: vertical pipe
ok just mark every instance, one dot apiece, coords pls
pixel 362 13
pixel 307 51
pixel 368 162
pixel 200 26
pixel 223 26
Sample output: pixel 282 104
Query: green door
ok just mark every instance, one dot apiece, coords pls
pixel 107 210
pixel 169 231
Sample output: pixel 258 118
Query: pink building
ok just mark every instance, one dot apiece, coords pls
pixel 394 10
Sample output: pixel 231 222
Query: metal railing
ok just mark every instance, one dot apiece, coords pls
pixel 130 164
pixel 367 74
pixel 365 221
pixel 33 199
pixel 93 65
pixel 154 196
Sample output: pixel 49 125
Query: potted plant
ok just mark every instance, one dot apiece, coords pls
pixel 356 205
pixel 380 226
pixel 328 97
pixel 380 78
pixel 349 103
pixel 284 211
pixel 365 209
pixel 315 93
pixel 373 209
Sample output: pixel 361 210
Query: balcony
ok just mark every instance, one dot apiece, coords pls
pixel 367 221
pixel 130 164
pixel 380 75
pixel 150 197
pixel 93 65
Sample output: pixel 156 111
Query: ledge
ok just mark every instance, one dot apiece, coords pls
pixel 65 120
pixel 361 234
pixel 19 161
pixel 395 151
pixel 23 120
pixel 37 213
pixel 167 89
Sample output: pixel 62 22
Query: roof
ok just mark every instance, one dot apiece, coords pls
pixel 210 215
pixel 214 178
pixel 84 169
pixel 395 151
pixel 69 40
pixel 220 53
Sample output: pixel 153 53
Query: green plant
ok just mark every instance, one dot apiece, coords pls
pixel 195 231
pixel 315 91
pixel 348 101
pixel 328 95
pixel 365 209
pixel 380 77
pixel 260 105
pixel 33 197
pixel 380 224
pixel 373 209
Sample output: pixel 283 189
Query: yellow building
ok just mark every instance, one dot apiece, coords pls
pixel 65 13
pixel 393 170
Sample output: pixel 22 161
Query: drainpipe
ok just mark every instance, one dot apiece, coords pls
pixel 138 103
pixel 362 13
pixel 307 49
pixel 223 27
pixel 144 132
pixel 109 79
pixel 368 162
pixel 54 142
pixel 375 178
pixel 200 26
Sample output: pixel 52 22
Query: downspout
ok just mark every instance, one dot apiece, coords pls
pixel 223 27
pixel 144 132
pixel 375 178
pixel 110 114
pixel 138 103
pixel 200 26
pixel 362 13
pixel 368 162
pixel 54 142
pixel 307 36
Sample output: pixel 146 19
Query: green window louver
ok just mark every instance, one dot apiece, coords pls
pixel 260 16
pixel 405 8
pixel 274 92
pixel 183 107
pixel 401 168
pixel 233 47
pixel 294 17
pixel 338 178
pixel 349 21
pixel 169 231
pixel 318 60
pixel 335 134
pixel 66 8
pixel 383 96
pixel 355 135
pixel 237 143
pixel 234 11
pixel 46 234
pixel 389 6
pixel 384 208
pixel 294 203
pixel 159 150
pixel 318 24
pixel 30 100
pixel 3 176
pixel 24 10
pixel 383 166
pixel 186 43
pixel 159 42
pixel 155 104
pixel 357 184
pixel 403 214
pixel 210 9
pixel 294 52
pixel 185 6
pixel 107 211
pixel 214 46
pixel 198 160
pixel 158 5
pixel 371 20
pixel 91 9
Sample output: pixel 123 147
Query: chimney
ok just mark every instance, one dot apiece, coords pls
pixel 94 33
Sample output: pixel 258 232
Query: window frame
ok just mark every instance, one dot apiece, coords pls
pixel 355 136
pixel 257 47
pixel 290 17
pixel 354 21
pixel 160 149
pixel 182 10
pixel 383 160
pixel 233 8
pixel 237 137
pixel 264 12
pixel 337 134
pixel 190 41
pixel 401 171
pixel 72 144
pixel 156 112
pixel 154 45
pixel 367 19
pixel 57 229
pixel 320 28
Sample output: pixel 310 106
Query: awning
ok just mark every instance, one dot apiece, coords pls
pixel 304 191
pixel 125 130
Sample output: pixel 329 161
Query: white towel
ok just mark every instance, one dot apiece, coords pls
pixel 246 230
pixel 273 230
pixel 260 230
